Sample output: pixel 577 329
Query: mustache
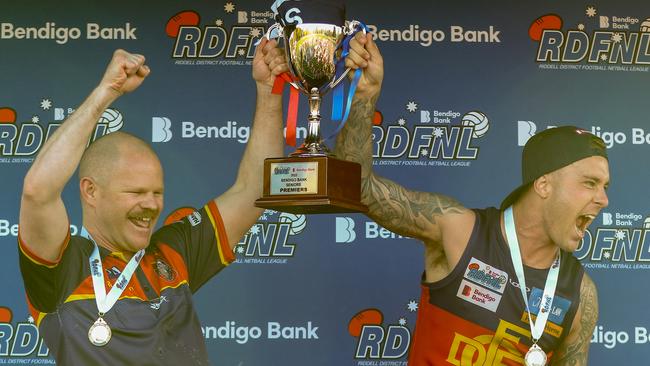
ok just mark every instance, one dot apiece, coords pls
pixel 145 213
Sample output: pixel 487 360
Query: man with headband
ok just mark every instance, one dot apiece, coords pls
pixel 500 286
pixel 123 295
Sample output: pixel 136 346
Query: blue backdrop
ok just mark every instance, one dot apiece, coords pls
pixel 480 76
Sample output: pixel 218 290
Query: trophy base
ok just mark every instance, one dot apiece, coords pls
pixel 311 185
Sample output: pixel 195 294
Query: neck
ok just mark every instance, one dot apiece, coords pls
pixel 101 241
pixel 537 248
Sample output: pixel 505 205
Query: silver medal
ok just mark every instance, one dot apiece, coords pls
pixel 535 356
pixel 99 333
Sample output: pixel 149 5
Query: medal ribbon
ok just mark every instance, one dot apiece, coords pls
pixel 104 302
pixel 537 328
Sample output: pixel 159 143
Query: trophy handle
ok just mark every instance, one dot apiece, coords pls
pixel 350 29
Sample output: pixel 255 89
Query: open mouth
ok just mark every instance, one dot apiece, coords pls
pixel 582 223
pixel 141 221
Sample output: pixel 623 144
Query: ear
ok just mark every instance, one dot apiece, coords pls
pixel 88 190
pixel 542 186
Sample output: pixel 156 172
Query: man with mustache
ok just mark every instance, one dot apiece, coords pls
pixel 500 286
pixel 123 295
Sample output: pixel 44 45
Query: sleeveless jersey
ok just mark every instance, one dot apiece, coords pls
pixel 476 315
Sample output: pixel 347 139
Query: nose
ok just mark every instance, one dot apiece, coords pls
pixel 151 201
pixel 601 198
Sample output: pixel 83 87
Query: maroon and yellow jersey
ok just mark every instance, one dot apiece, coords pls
pixel 476 316
pixel 154 321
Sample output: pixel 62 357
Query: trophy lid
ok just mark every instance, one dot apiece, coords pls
pixel 293 12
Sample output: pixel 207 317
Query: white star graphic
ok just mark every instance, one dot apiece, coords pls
pixel 581 26
pixel 241 52
pixel 30 319
pixel 591 12
pixel 240 249
pixel 35 119
pixel 617 37
pixel 607 255
pixel 402 321
pixel 255 229
pixel 255 32
pixel 620 235
pixel 603 57
pixel 401 121
pixel 218 22
pixel 437 132
pixel 412 306
pixel 424 152
pixel 229 7
pixel 411 106
pixel 46 104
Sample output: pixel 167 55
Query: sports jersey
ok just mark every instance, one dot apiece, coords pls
pixel 154 321
pixel 477 316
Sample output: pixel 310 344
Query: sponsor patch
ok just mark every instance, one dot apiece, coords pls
pixel 486 275
pixel 478 295
pixel 558 310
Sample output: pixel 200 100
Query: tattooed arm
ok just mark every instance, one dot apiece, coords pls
pixel 439 221
pixel 575 349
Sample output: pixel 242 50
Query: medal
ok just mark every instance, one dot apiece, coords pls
pixel 535 356
pixel 99 333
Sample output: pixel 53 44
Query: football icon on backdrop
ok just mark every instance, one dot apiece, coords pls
pixel 7 115
pixel 185 18
pixel 363 318
pixel 5 315
pixel 548 21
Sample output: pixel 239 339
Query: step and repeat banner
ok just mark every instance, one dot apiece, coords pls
pixel 467 83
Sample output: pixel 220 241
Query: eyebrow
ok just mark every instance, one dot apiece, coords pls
pixel 595 178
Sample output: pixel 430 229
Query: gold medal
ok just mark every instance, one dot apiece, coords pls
pixel 535 356
pixel 99 333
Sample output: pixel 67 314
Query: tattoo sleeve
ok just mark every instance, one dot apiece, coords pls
pixel 575 349
pixel 408 213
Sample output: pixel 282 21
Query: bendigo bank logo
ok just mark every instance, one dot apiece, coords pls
pixel 582 49
pixel 272 239
pixel 197 44
pixel 21 142
pixel 20 340
pixel 442 139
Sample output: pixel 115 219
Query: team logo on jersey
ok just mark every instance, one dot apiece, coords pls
pixel 164 270
pixel 486 275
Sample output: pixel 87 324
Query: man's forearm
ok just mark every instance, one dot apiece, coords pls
pixel 265 140
pixel 61 153
pixel 354 142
